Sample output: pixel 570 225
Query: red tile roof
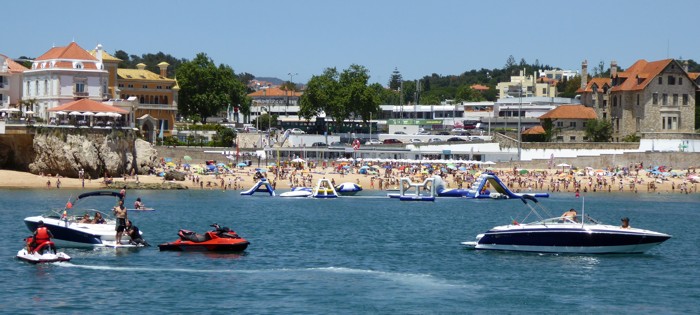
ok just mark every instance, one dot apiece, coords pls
pixel 272 92
pixel 88 105
pixel 13 66
pixel 600 82
pixel 638 76
pixel 570 112
pixel 536 130
pixel 479 87
pixel 70 52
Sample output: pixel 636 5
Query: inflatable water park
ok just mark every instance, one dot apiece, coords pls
pixel 262 186
pixel 487 185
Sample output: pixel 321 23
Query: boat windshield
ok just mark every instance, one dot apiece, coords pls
pixel 568 220
pixel 82 206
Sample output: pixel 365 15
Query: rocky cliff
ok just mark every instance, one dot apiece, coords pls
pixel 65 153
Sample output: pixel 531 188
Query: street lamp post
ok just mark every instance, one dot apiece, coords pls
pixel 291 80
pixel 520 115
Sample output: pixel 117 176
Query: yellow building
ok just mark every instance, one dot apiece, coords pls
pixel 154 95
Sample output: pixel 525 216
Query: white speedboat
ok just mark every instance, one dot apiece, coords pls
pixel 67 229
pixel 298 192
pixel 43 253
pixel 579 234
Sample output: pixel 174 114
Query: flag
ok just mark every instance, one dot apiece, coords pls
pixel 162 125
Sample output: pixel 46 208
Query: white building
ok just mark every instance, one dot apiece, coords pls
pixel 558 74
pixel 10 82
pixel 62 75
pixel 529 86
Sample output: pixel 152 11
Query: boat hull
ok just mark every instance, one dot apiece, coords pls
pixel 187 246
pixel 36 258
pixel 72 234
pixel 568 240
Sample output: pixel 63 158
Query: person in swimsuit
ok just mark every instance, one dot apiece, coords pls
pixel 120 214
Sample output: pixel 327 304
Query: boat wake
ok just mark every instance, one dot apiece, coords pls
pixel 409 279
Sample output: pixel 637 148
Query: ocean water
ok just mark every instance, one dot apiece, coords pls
pixel 354 255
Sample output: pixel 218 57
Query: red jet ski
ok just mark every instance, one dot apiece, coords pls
pixel 218 240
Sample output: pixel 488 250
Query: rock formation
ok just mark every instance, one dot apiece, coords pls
pixel 114 153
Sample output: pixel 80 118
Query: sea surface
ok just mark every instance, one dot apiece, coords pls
pixel 354 255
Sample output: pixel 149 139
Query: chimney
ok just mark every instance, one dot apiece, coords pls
pixel 685 65
pixel 613 69
pixel 98 52
pixel 163 69
pixel 141 66
pixel 584 74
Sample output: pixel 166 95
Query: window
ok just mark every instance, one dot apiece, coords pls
pixel 79 87
pixel 655 99
pixel 159 87
pixel 664 99
pixel 46 87
pixel 131 86
pixel 560 138
pixel 144 86
pixel 121 85
pixel 661 80
pixel 685 99
pixel 675 99
pixel 572 124
pixel 637 99
pixel 560 124
pixel 669 123
pixel 572 138
pixel 671 80
pixel 680 80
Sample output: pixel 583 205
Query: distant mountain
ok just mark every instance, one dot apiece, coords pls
pixel 274 81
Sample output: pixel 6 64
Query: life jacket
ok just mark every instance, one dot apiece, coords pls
pixel 42 235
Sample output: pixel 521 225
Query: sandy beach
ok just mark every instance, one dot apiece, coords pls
pixel 242 179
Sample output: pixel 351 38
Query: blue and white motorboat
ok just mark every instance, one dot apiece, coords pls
pixel 579 234
pixel 67 226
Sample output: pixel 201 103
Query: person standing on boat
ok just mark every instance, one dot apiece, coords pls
pixel 120 214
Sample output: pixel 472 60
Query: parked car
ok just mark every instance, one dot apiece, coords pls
pixel 443 133
pixel 338 144
pixel 391 141
pixel 416 141
pixel 435 140
pixel 423 133
pixel 373 141
pixel 296 131
pixel 456 139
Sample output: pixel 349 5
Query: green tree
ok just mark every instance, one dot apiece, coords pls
pixel 340 95
pixel 548 127
pixel 395 81
pixel 598 130
pixel 205 89
pixel 568 88
pixel 466 94
pixel 265 121
pixel 225 136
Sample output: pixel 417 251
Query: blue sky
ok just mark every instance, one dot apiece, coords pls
pixel 274 38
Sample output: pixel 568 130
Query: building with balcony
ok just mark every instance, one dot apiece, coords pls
pixel 10 82
pixel 152 96
pixel 62 75
pixel 278 102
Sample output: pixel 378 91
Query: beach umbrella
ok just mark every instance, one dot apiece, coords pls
pixel 187 158
pixel 167 159
pixel 242 164
pixel 75 113
pixel 29 112
pixel 462 168
pixel 364 167
pixel 489 163
pixel 60 113
pixel 88 114
pixel 523 172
